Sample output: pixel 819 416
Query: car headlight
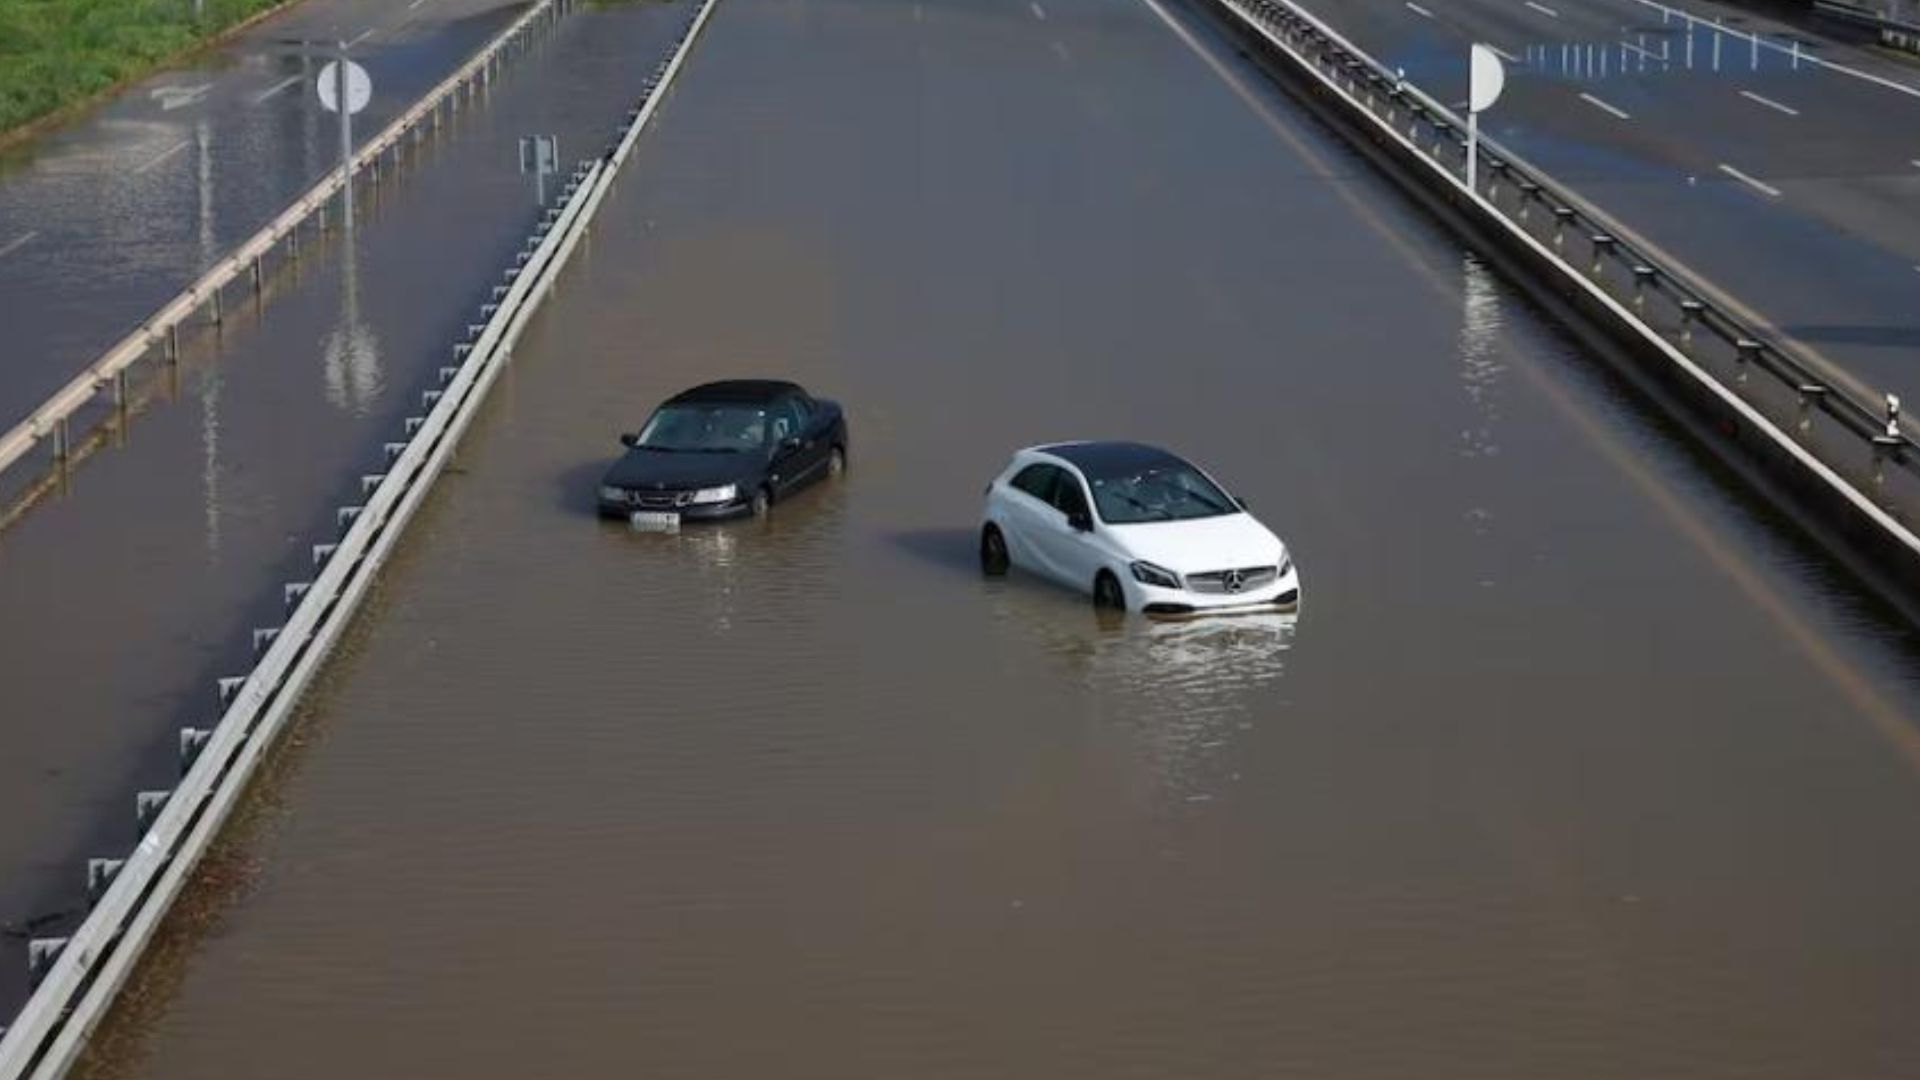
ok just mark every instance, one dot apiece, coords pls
pixel 1286 563
pixel 723 493
pixel 1147 573
pixel 609 493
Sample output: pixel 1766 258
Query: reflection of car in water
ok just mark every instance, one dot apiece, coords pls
pixel 724 450
pixel 1137 527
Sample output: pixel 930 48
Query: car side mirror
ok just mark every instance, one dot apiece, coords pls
pixel 628 438
pixel 1080 521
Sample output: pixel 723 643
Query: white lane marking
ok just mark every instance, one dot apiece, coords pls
pixel 276 88
pixel 1038 11
pixel 1750 181
pixel 1878 80
pixel 1504 54
pixel 1631 47
pixel 364 35
pixel 1769 103
pixel 164 155
pixel 17 244
pixel 1543 9
pixel 1061 51
pixel 1616 113
pixel 1916 163
pixel 415 4
pixel 1418 10
pixel 177 97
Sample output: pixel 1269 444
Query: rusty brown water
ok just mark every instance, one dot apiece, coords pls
pixel 1575 765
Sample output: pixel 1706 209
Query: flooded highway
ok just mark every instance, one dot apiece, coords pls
pixel 1575 764
pixel 125 597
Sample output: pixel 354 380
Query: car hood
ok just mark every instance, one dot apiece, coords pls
pixel 657 469
pixel 1227 542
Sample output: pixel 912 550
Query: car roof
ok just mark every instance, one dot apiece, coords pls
pixel 749 391
pixel 1106 458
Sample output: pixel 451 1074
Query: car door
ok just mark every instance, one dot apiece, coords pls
pixel 1028 508
pixel 791 460
pixel 1074 553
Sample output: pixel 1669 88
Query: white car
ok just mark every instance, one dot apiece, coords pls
pixel 1136 527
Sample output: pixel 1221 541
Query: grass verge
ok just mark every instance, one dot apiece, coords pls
pixel 56 53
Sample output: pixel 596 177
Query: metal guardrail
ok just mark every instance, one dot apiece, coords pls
pixel 161 329
pixel 79 976
pixel 1772 387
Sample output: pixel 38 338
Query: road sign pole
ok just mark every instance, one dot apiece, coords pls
pixel 1473 150
pixel 346 138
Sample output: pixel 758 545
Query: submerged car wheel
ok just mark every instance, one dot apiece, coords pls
pixel 993 552
pixel 1107 595
pixel 762 502
pixel 837 462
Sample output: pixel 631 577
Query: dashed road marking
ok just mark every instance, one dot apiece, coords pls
pixel 1060 50
pixel 1504 54
pixel 1418 10
pixel 276 88
pixel 1616 113
pixel 1767 189
pixel 164 155
pixel 1769 103
pixel 1543 9
pixel 17 244
pixel 1038 11
pixel 364 35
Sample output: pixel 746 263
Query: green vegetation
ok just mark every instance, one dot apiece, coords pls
pixel 56 52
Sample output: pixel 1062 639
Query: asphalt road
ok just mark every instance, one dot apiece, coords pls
pixel 105 219
pixel 1789 183
pixel 1575 764
pixel 122 601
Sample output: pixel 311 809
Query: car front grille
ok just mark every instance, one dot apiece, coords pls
pixel 1249 579
pixel 659 500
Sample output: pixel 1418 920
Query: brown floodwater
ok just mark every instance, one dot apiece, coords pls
pixel 1574 764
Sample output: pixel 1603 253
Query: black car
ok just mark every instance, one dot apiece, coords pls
pixel 723 450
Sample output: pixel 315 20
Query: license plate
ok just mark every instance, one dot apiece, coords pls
pixel 654 521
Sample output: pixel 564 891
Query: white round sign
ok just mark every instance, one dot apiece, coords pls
pixel 359 86
pixel 1486 76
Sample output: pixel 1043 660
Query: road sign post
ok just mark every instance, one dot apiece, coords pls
pixel 1486 76
pixel 539 155
pixel 344 87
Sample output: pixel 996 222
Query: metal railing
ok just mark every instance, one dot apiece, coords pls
pixel 77 977
pixel 1778 390
pixel 159 332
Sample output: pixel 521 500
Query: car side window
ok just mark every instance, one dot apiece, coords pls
pixel 1037 481
pixel 802 411
pixel 1068 498
pixel 787 420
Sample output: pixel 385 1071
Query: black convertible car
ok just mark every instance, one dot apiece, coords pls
pixel 723 450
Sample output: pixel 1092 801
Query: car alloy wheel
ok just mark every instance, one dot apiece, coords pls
pixel 837 462
pixel 762 502
pixel 993 552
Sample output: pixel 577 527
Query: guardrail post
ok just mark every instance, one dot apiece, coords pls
pixel 100 874
pixel 1561 216
pixel 121 392
pixel 1643 276
pixel 1809 394
pixel 1745 352
pixel 62 440
pixel 1602 246
pixel 41 953
pixel 192 741
pixel 218 318
pixel 263 636
pixel 1893 419
pixel 256 274
pixel 1528 192
pixel 173 343
pixel 1690 312
pixel 147 806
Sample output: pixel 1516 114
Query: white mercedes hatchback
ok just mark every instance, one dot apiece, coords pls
pixel 1134 526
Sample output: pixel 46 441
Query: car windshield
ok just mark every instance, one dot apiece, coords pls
pixel 705 428
pixel 1164 491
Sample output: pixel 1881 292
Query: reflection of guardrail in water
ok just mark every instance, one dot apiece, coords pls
pixel 1752 380
pixel 160 331
pixel 79 976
